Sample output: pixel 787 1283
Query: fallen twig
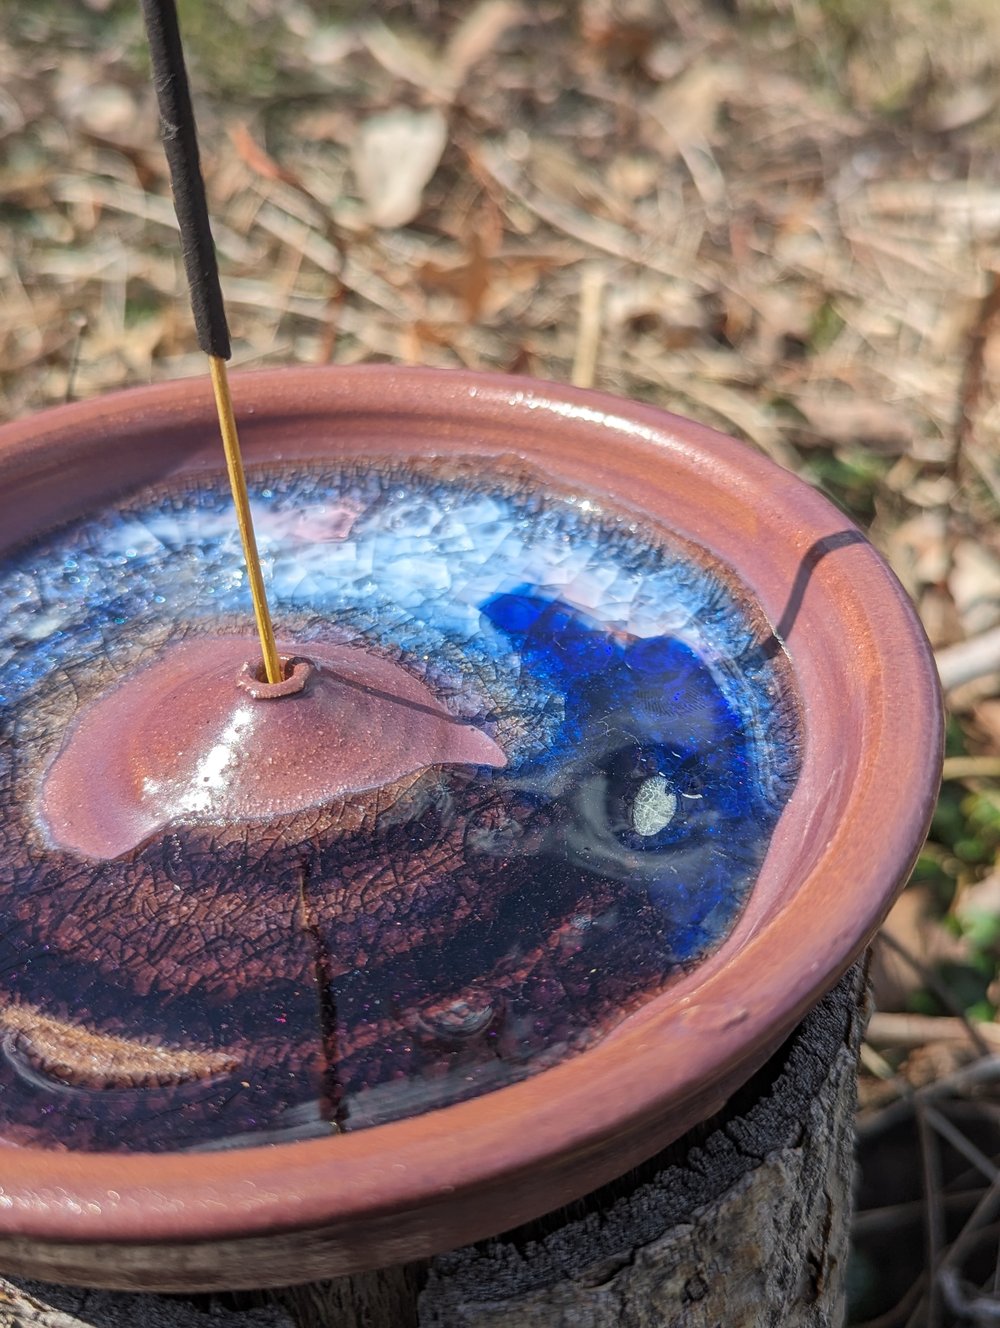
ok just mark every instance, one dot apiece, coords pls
pixel 588 337
pixel 915 1030
pixel 969 660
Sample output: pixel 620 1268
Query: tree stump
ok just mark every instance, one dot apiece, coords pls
pixel 744 1223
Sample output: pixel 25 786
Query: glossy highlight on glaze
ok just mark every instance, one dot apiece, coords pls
pixel 607 749
pixel 198 738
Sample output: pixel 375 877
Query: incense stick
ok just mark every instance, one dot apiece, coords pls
pixel 180 144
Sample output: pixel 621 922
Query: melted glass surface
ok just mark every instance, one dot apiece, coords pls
pixel 265 981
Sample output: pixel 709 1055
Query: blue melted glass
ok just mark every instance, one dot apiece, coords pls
pixel 641 712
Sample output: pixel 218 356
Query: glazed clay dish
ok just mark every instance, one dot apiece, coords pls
pixel 600 750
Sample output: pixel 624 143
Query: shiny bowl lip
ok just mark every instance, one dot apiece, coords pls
pixel 419 1184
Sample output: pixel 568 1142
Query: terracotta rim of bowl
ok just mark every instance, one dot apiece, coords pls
pixel 845 843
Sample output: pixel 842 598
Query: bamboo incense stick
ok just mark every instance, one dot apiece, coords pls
pixel 180 144
pixel 238 484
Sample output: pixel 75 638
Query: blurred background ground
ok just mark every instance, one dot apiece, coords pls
pixel 779 216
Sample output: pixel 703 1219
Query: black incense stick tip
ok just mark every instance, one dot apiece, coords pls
pixel 180 143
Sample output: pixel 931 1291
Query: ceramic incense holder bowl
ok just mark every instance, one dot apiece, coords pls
pixel 602 748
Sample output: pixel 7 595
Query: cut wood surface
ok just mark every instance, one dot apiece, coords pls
pixel 742 1223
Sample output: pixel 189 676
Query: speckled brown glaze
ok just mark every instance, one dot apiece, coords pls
pixel 844 844
pixel 197 736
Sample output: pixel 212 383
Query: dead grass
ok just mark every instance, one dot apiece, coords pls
pixel 779 216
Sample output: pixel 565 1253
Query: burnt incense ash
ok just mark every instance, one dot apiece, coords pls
pixel 520 772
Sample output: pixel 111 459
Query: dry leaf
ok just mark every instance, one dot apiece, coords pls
pixel 648 303
pixel 404 55
pixel 689 108
pixel 394 157
pixel 975 586
pixel 330 45
pixel 845 418
pixel 987 717
pixel 468 281
pixel 476 36
pixel 256 157
pixel 936 1061
pixel 939 619
pixel 963 106
pixel 918 550
pixel 107 110
pixel 621 32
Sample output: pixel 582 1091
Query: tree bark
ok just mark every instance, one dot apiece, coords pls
pixel 743 1223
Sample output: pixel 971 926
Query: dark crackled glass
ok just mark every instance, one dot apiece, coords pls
pixel 213 981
